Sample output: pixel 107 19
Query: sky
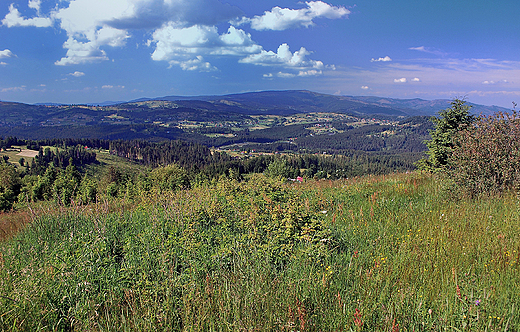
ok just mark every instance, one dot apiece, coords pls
pixel 92 51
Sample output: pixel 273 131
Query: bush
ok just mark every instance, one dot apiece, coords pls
pixel 486 156
pixel 171 177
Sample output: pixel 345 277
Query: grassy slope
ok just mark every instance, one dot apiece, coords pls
pixel 374 253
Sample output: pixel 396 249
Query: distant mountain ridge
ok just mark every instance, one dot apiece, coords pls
pixel 304 101
pixel 232 107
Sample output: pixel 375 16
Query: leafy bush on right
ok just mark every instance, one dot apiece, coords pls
pixel 485 159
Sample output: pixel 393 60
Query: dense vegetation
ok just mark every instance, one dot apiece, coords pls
pixel 59 171
pixel 387 253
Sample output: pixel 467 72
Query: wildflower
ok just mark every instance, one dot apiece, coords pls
pixel 357 318
pixel 458 292
pixel 477 302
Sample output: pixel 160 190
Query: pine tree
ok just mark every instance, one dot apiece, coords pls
pixel 447 124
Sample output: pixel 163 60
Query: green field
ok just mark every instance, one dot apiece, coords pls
pixel 392 253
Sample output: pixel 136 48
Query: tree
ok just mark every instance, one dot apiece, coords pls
pixel 447 124
pixel 10 185
pixel 279 168
pixel 66 185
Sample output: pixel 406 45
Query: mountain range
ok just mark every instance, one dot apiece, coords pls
pixel 163 117
pixel 303 101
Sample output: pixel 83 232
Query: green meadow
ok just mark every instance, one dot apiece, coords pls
pixel 373 253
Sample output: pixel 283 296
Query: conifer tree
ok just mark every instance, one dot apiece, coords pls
pixel 447 124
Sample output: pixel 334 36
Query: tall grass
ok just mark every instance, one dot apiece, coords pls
pixel 393 253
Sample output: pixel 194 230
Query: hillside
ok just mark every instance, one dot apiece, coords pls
pixel 302 101
pixel 366 254
pixel 312 121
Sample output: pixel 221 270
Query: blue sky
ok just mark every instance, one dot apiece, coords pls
pixel 88 51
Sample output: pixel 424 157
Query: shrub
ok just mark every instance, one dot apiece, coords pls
pixel 171 177
pixel 486 156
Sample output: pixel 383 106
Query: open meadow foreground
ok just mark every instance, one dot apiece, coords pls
pixel 373 253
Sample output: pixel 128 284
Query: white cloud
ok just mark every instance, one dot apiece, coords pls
pixel 112 87
pixel 312 72
pixel 14 19
pixel 84 22
pixel 284 57
pixel 364 87
pixel 194 64
pixel 385 59
pixel 186 46
pixel 285 18
pixel 14 89
pixel 93 24
pixel 35 4
pixel 285 75
pixel 429 50
pixel 416 79
pixel 77 74
pixel 184 32
pixel 491 82
pixel 6 54
pixel 153 14
pixel 400 80
pixel 3 64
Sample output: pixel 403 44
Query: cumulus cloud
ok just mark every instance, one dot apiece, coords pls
pixel 197 63
pixel 286 18
pixel 35 4
pixel 400 80
pixel 182 34
pixel 152 14
pixel 83 20
pixel 93 24
pixel 385 59
pixel 3 64
pixel 284 57
pixel 77 74
pixel 416 79
pixel 199 39
pixel 14 19
pixel 364 87
pixel 186 46
pixel 6 54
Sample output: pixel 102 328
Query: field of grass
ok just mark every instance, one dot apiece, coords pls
pixel 393 253
pixel 14 155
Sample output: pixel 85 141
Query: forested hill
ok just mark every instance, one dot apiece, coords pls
pixel 303 101
pixel 317 120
